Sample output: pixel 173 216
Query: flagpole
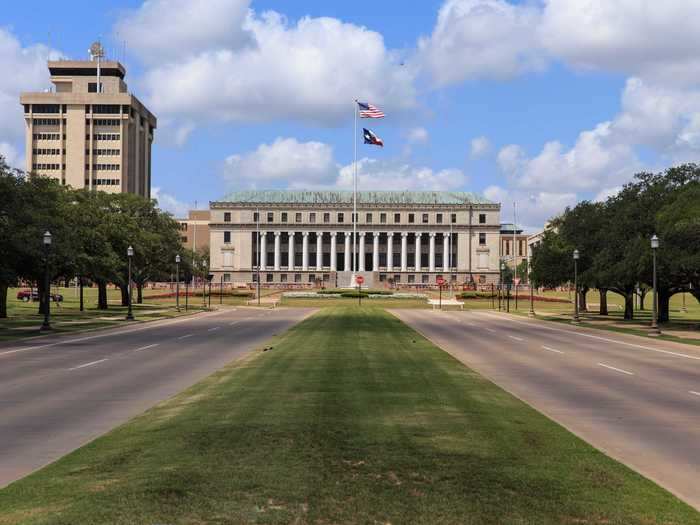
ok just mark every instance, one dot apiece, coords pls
pixel 354 198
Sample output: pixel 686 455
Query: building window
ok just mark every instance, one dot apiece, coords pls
pixel 269 278
pixel 283 278
pixel 227 277
pixel 227 216
pixel 453 218
pixel 397 278
pixel 397 218
pixel 297 277
pixel 326 217
pixel 312 217
pixel 297 217
pixel 411 218
pixel 425 218
pixel 227 237
pixel 270 216
pixel 507 247
pixel 183 239
pixel 341 217
pixel 382 218
pixel 482 279
pixel 256 217
pixel 368 218
pixel 438 218
pixel 482 239
pixel 354 217
pixel 92 87
pixel 482 218
pixel 411 278
pixel 284 216
pixel 424 279
pixel 46 108
pixel 312 277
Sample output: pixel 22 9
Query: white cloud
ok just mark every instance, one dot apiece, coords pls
pixel 171 29
pixel 170 203
pixel 481 39
pixel 308 71
pixel 285 163
pixel 288 163
pixel 606 193
pixel 479 147
pixel 11 156
pixel 533 208
pixel 417 135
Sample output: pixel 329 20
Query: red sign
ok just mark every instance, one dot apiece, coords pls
pixel 440 281
pixel 359 279
pixel 516 281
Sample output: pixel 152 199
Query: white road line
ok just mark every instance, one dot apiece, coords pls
pixel 214 328
pixel 616 369
pixel 118 331
pixel 694 392
pixel 235 322
pixel 591 336
pixel 146 347
pixel 552 349
pixel 489 329
pixel 88 364
pixel 516 338
pixel 185 336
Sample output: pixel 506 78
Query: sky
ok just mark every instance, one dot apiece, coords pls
pixel 541 103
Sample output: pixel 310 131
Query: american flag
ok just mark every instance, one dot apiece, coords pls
pixel 369 111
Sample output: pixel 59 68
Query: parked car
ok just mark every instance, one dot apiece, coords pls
pixel 33 295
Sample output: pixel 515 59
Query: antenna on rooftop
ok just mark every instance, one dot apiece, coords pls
pixel 97 52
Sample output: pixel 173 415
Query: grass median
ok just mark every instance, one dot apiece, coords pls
pixel 351 417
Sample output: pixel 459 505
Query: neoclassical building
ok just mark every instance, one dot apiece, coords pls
pixel 305 237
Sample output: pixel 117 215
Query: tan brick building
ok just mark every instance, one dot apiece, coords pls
pixel 194 230
pixel 88 131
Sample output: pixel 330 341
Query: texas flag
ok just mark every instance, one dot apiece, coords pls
pixel 371 138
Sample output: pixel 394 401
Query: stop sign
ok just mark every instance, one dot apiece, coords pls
pixel 516 281
pixel 359 279
pixel 440 281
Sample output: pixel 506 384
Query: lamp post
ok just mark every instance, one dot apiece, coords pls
pixel 576 317
pixel 130 254
pixel 177 282
pixel 46 325
pixel 500 284
pixel 655 310
pixel 531 313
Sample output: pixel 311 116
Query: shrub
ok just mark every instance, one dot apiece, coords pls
pixel 329 292
pixel 354 295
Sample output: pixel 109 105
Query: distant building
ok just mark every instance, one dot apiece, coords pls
pixel 513 245
pixel 410 238
pixel 194 230
pixel 536 238
pixel 88 131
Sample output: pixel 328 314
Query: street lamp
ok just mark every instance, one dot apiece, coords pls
pixel 130 254
pixel 47 283
pixel 531 313
pixel 500 284
pixel 576 317
pixel 655 311
pixel 177 282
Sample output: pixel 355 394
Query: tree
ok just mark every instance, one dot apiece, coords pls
pixel 11 186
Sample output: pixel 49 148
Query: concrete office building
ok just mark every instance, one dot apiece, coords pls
pixel 410 238
pixel 88 131
pixel 194 230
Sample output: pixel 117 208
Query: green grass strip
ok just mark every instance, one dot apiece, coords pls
pixel 352 417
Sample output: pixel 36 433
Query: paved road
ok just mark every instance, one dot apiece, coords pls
pixel 635 398
pixel 57 394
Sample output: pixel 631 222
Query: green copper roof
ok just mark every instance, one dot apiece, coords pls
pixel 345 197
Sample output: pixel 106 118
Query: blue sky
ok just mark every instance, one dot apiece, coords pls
pixel 544 103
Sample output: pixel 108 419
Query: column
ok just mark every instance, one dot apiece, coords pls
pixel 348 252
pixel 361 255
pixel 263 251
pixel 418 250
pixel 334 252
pixel 446 252
pixel 278 252
pixel 404 251
pixel 304 251
pixel 390 251
pixel 375 252
pixel 319 251
pixel 431 259
pixel 290 259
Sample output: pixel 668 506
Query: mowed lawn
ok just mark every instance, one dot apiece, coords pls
pixel 351 417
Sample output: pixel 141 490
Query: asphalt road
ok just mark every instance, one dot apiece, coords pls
pixel 57 394
pixel 637 399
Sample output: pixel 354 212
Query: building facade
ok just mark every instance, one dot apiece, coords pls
pixel 514 245
pixel 408 238
pixel 194 230
pixel 88 131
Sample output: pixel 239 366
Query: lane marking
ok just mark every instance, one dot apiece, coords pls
pixel 516 338
pixel 616 369
pixel 119 331
pixel 552 349
pixel 591 336
pixel 146 347
pixel 235 322
pixel 185 336
pixel 489 329
pixel 88 364
pixel 212 329
pixel 694 392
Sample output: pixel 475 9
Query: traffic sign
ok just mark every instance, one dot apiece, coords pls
pixel 440 281
pixel 516 281
pixel 359 279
